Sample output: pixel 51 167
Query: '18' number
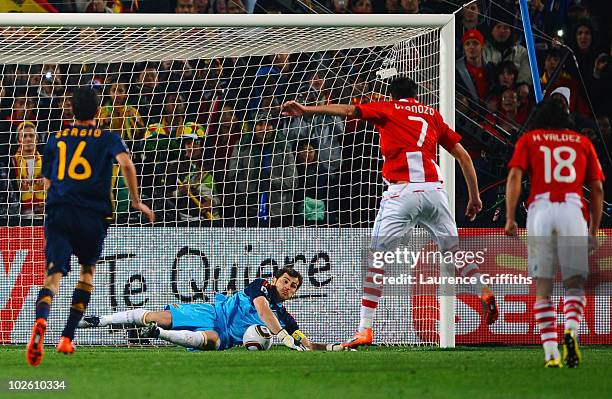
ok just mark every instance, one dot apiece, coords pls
pixel 562 162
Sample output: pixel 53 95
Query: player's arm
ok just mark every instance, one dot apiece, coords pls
pixel 596 209
pixel 128 170
pixel 314 346
pixel 513 193
pixel 293 108
pixel 269 318
pixel 467 167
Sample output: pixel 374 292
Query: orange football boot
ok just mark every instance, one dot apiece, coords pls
pixel 361 338
pixel 65 346
pixel 34 349
pixel 489 307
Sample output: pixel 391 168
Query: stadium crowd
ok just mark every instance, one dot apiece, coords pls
pixel 212 148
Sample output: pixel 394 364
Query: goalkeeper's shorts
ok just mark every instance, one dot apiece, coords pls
pixel 197 317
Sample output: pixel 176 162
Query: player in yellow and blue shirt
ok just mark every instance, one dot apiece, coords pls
pixel 222 325
pixel 77 168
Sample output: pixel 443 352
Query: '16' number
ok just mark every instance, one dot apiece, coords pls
pixel 77 160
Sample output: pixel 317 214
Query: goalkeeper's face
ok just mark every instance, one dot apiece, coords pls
pixel 286 286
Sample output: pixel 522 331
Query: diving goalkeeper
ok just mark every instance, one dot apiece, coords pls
pixel 222 325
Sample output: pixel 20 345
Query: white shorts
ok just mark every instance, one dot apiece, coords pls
pixel 558 234
pixel 403 206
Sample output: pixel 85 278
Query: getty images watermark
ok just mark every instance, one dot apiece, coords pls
pixel 466 263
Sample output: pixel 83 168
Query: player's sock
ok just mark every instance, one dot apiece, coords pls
pixel 573 309
pixel 544 312
pixel 371 295
pixel 472 270
pixel 188 339
pixel 80 300
pixel 43 303
pixel 134 316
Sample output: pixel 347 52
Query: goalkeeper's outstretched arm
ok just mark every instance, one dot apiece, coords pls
pixel 293 108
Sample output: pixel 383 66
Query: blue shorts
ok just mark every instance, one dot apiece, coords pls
pixel 72 230
pixel 198 317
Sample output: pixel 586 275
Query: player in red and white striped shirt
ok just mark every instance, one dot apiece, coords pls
pixel 559 162
pixel 410 133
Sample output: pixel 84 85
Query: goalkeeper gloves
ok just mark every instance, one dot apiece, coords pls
pixel 289 341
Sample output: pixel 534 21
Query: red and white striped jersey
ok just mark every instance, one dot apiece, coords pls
pixel 410 133
pixel 559 163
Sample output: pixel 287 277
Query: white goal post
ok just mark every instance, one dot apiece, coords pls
pixel 420 46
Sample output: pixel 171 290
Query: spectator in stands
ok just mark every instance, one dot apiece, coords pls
pixel 392 6
pixel 410 6
pixel 221 140
pixel 27 163
pixel 311 192
pixel 263 171
pixel 340 6
pixel 324 132
pixel 22 110
pixel 565 96
pixel 470 19
pixel 174 113
pixel 471 74
pixel 505 123
pixel 582 42
pixel 202 6
pixel 120 116
pixel 185 7
pixel 542 25
pixel 362 7
pixel 505 78
pixel 235 7
pixel 564 79
pixel 502 46
pixel 98 6
pixel 195 194
pixel 147 94
pixel 602 82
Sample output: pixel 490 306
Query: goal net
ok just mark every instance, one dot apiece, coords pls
pixel 238 190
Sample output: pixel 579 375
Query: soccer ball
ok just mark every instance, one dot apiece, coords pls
pixel 257 338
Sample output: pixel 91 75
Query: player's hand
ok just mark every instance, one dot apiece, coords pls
pixel 288 340
pixel 473 207
pixel 293 108
pixel 593 242
pixel 145 210
pixel 511 228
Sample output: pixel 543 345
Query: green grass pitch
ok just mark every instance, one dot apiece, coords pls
pixel 376 372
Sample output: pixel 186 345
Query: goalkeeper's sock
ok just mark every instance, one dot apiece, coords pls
pixel 188 339
pixel 43 303
pixel 544 312
pixel 134 316
pixel 573 309
pixel 472 270
pixel 80 300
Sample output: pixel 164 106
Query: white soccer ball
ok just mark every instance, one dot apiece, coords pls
pixel 257 338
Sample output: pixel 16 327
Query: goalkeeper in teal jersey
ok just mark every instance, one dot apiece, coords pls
pixel 222 325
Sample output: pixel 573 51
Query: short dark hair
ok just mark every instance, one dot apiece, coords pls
pixel 291 272
pixel 403 88
pixel 84 104
pixel 550 114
